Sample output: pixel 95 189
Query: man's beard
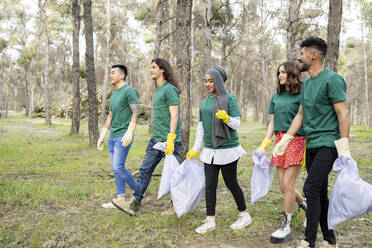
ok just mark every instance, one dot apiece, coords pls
pixel 302 66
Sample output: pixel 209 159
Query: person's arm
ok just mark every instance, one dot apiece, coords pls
pixel 104 131
pixel 198 142
pixel 342 144
pixel 269 133
pixel 173 110
pixel 128 136
pixel 296 123
pixel 343 118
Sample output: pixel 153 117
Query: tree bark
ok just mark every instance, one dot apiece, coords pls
pixel 292 28
pixel 183 64
pixel 107 63
pixel 48 114
pixel 225 34
pixel 333 37
pixel 27 92
pixel 91 77
pixel 366 103
pixel 75 123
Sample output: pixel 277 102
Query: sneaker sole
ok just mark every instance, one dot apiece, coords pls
pixel 127 211
pixel 280 240
pixel 201 232
pixel 238 228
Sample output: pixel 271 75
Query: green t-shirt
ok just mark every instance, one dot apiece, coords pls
pixel 206 117
pixel 320 120
pixel 121 112
pixel 165 96
pixel 284 107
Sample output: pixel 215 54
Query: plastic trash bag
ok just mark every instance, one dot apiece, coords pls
pixel 170 165
pixel 187 186
pixel 262 176
pixel 351 196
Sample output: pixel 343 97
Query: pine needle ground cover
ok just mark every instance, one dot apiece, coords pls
pixel 52 186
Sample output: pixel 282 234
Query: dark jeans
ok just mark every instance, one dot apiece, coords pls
pixel 231 181
pixel 152 159
pixel 319 162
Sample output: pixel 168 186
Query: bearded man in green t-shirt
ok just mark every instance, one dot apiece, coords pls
pixel 166 129
pixel 323 113
pixel 121 122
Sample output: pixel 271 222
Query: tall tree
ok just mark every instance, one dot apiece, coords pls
pixel 43 19
pixel 333 37
pixel 91 75
pixel 292 28
pixel 75 124
pixel 183 64
pixel 107 62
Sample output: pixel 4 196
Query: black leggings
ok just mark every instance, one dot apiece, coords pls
pixel 231 181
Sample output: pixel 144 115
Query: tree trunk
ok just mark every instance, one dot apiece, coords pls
pixel 107 63
pixel 366 103
pixel 183 64
pixel 292 28
pixel 27 92
pixel 159 28
pixel 75 124
pixel 225 34
pixel 91 77
pixel 48 114
pixel 333 37
pixel 207 47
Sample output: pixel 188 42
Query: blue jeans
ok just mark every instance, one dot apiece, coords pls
pixel 118 156
pixel 152 159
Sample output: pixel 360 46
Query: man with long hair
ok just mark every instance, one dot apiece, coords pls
pixel 166 129
pixel 324 116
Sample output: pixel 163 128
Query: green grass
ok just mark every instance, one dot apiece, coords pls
pixel 52 186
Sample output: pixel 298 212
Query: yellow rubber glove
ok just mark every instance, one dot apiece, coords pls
pixel 101 138
pixel 128 136
pixel 264 145
pixel 280 147
pixel 342 146
pixel 222 115
pixel 190 154
pixel 170 143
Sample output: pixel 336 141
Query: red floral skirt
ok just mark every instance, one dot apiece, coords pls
pixel 293 155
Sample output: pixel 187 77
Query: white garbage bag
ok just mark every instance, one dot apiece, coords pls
pixel 170 165
pixel 187 186
pixel 262 176
pixel 351 196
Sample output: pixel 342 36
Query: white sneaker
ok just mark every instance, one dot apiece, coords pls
pixel 283 233
pixel 209 224
pixel 108 205
pixel 304 244
pixel 243 220
pixel 326 244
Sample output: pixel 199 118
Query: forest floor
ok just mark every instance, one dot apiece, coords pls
pixel 52 186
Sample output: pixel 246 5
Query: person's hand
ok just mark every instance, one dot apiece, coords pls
pixel 342 146
pixel 190 154
pixel 222 115
pixel 170 143
pixel 128 136
pixel 101 138
pixel 280 147
pixel 264 144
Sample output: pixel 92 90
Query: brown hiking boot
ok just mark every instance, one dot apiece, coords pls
pixel 130 207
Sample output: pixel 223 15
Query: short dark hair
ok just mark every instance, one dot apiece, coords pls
pixel 123 68
pixel 317 43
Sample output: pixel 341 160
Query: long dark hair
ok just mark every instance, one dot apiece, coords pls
pixel 294 78
pixel 168 74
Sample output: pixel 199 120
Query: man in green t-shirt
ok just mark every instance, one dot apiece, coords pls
pixel 121 122
pixel 324 116
pixel 166 129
